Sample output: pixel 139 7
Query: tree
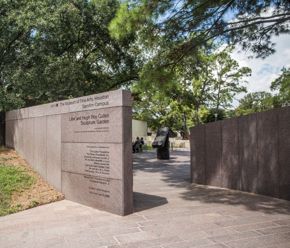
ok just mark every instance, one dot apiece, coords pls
pixel 282 85
pixel 255 102
pixel 177 28
pixel 190 92
pixel 153 105
pixel 53 50
pixel 262 101
pixel 227 80
pixel 211 81
pixel 212 115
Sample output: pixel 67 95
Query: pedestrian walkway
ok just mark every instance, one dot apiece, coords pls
pixel 169 213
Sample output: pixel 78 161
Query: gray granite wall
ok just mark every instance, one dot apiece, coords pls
pixel 249 153
pixel 81 146
pixel 2 129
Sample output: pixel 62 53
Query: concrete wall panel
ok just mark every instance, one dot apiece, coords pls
pixel 213 154
pixel 53 150
pixel 39 145
pixel 267 140
pixel 102 125
pixel 284 153
pixel 248 153
pixel 18 137
pixel 230 168
pixel 127 157
pixel 139 129
pixel 102 193
pixel 81 146
pixel 197 144
pixel 101 160
pixel 2 128
pixel 9 133
pixel 28 137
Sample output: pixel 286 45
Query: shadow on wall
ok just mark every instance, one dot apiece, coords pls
pixel 249 153
pixel 176 174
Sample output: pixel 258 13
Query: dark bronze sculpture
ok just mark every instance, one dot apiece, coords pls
pixel 161 142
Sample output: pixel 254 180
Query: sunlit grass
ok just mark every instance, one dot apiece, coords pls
pixel 12 179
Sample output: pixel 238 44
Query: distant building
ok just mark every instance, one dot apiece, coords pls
pixel 139 129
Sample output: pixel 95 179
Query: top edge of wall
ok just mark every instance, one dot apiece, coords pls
pixel 102 100
pixel 277 110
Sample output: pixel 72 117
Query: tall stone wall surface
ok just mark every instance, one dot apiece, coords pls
pixel 249 153
pixel 82 146
pixel 2 129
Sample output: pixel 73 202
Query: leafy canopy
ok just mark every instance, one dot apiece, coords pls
pixel 282 85
pixel 179 27
pixel 255 102
pixel 197 89
pixel 52 50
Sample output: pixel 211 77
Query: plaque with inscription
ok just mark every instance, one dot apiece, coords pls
pixel 96 157
pixel 102 193
pixel 93 126
pixel 81 146
pixel 93 159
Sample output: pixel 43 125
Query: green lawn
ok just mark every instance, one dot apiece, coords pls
pixel 12 179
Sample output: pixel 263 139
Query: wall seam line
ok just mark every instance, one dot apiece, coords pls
pixel 278 157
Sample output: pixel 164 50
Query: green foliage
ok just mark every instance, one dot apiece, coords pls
pixel 120 29
pixel 157 108
pixel 255 102
pixel 191 81
pixel 227 78
pixel 189 94
pixel 212 81
pixel 213 115
pixel 177 28
pixel 262 101
pixel 9 100
pixel 54 50
pixel 282 85
pixel 12 179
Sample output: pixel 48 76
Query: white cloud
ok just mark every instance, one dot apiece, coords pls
pixel 264 71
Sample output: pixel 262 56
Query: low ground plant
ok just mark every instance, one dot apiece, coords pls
pixel 12 179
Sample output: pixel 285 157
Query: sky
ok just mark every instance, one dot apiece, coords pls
pixel 264 71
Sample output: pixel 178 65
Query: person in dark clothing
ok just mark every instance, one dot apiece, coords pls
pixel 141 144
pixel 136 145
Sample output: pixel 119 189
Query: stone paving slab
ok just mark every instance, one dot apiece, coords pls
pixel 169 213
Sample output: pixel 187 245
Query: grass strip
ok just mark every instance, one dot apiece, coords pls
pixel 12 179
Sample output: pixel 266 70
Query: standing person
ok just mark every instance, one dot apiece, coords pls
pixel 141 144
pixel 136 146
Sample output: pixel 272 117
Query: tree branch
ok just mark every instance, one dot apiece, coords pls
pixel 259 18
pixel 120 82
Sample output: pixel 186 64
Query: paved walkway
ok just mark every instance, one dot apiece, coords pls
pixel 169 213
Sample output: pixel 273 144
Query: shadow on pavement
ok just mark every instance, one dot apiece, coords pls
pixel 145 201
pixel 176 174
pixel 176 171
pixel 250 201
